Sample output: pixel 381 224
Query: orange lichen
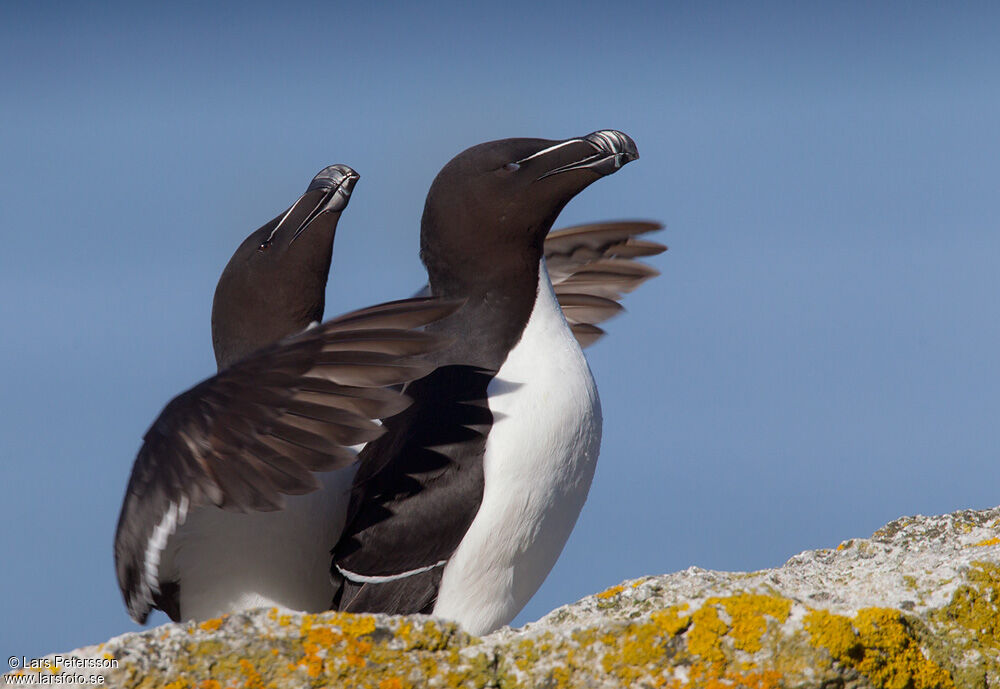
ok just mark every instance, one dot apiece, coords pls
pixel 611 592
pixel 211 625
pixel 253 678
pixel 177 684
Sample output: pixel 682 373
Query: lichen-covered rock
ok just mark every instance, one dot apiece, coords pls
pixel 916 606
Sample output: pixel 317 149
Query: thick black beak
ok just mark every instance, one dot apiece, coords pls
pixel 329 192
pixel 612 149
pixel 617 149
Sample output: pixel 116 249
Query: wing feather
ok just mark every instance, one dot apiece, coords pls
pixel 593 266
pixel 255 432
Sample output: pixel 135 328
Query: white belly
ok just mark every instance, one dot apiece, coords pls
pixel 227 562
pixel 539 462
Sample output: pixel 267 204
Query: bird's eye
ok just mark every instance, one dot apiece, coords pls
pixel 511 167
pixel 264 246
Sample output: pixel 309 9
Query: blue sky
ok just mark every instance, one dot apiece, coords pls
pixel 819 356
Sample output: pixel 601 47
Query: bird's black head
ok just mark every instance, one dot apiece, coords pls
pixel 494 203
pixel 274 285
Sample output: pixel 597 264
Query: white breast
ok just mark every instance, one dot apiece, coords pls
pixel 227 562
pixel 539 462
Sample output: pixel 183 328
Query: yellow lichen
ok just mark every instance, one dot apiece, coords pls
pixel 611 592
pixel 706 677
pixel 705 635
pixel 747 624
pixel 560 677
pixel 631 652
pixel 832 632
pixel 211 625
pixel 525 654
pixel 670 621
pixel 740 640
pixel 747 611
pixel 988 541
pixel 637 651
pixel 282 620
pixel 879 644
pixel 357 625
pixel 975 606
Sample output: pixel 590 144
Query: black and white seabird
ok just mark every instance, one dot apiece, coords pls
pixel 222 510
pixel 463 506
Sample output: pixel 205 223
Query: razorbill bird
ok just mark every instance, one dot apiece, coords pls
pixel 220 512
pixel 463 506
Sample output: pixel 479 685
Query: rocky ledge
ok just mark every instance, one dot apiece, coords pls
pixel 917 606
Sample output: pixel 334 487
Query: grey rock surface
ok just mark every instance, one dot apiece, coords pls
pixel 917 606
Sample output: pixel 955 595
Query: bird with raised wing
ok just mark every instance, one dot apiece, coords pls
pixel 463 506
pixel 223 510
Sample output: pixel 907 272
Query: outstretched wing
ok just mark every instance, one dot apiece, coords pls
pixel 593 266
pixel 255 432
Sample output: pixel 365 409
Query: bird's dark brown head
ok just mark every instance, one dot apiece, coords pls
pixel 495 202
pixel 275 283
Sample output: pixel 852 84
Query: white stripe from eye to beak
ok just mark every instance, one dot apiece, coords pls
pixel 552 148
pixel 283 219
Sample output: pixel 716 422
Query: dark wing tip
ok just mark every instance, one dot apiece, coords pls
pixel 149 517
pixel 138 608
